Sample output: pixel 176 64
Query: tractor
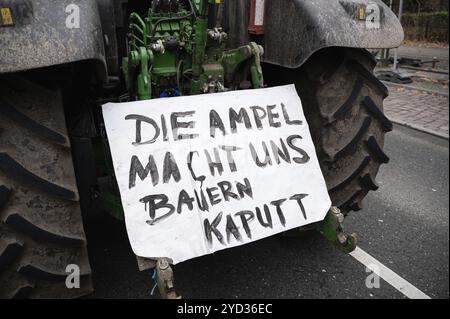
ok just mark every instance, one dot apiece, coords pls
pixel 60 61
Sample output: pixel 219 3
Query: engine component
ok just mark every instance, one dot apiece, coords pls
pixel 173 52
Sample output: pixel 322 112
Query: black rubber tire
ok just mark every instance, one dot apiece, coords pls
pixel 41 230
pixel 343 103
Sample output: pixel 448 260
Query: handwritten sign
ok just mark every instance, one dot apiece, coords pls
pixel 198 174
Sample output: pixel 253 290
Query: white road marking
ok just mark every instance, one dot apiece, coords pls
pixel 388 275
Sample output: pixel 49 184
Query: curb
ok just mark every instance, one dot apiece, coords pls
pixel 419 128
pixel 411 87
pixel 429 70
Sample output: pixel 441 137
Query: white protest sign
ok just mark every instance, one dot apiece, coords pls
pixel 202 173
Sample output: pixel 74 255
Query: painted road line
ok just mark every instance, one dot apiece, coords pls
pixel 388 275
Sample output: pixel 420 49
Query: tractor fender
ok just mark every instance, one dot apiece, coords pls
pixel 46 33
pixel 295 29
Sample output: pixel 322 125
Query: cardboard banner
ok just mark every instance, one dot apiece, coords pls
pixel 198 174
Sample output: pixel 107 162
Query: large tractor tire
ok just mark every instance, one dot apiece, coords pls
pixel 343 103
pixel 41 231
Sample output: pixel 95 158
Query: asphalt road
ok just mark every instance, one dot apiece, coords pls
pixel 405 225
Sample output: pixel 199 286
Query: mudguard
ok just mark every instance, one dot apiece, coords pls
pixel 43 33
pixel 295 29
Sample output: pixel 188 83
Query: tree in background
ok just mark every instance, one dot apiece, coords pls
pixel 424 20
pixel 418 6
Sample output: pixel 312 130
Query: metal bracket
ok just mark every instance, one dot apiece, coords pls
pixel 165 279
pixel 332 229
pixel 232 59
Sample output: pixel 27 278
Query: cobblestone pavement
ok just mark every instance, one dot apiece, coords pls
pixel 420 110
